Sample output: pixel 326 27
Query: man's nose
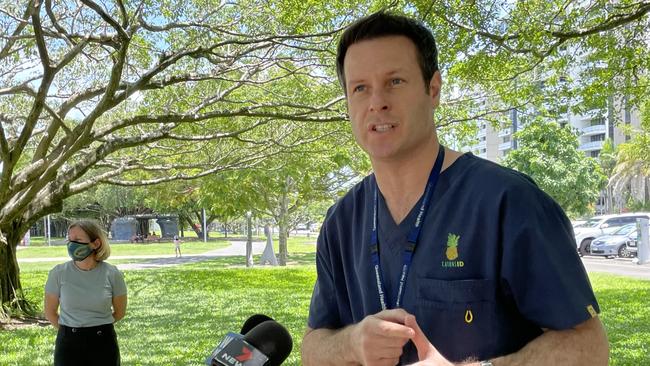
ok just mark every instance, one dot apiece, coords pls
pixel 379 101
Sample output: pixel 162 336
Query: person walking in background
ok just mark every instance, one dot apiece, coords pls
pixel 438 257
pixel 177 246
pixel 84 298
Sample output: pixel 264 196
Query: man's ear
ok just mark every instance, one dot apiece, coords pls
pixel 434 88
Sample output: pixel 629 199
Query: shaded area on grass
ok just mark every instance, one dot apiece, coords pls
pixel 177 315
pixel 196 307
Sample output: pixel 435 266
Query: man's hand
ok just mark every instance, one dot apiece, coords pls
pixel 427 353
pixel 379 338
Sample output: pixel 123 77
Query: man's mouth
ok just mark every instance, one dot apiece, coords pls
pixel 383 127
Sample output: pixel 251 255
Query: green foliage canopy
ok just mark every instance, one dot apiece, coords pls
pixel 548 153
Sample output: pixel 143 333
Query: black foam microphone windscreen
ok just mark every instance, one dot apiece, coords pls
pixel 272 339
pixel 253 321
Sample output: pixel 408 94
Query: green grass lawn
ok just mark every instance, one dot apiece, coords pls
pixel 625 307
pixel 177 315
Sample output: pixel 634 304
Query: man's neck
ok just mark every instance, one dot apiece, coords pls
pixel 402 181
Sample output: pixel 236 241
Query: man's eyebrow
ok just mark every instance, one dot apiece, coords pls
pixel 391 72
pixel 398 70
pixel 355 81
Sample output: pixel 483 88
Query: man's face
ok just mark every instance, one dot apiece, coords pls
pixel 391 113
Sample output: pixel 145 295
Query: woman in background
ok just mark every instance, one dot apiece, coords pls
pixel 83 298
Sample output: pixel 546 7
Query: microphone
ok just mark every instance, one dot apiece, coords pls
pixel 264 343
pixel 252 321
pixel 272 339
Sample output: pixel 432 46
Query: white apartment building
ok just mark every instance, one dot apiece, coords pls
pixel 593 128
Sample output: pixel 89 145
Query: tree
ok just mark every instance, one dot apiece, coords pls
pixel 633 164
pixel 188 199
pixel 607 159
pixel 498 55
pixel 145 92
pixel 285 188
pixel 134 94
pixel 106 202
pixel 548 153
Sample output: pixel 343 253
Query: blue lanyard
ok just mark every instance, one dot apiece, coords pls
pixel 414 234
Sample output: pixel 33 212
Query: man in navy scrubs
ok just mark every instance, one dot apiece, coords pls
pixel 438 257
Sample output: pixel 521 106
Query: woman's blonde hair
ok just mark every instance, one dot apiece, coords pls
pixel 94 232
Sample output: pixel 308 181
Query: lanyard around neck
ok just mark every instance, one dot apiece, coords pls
pixel 413 236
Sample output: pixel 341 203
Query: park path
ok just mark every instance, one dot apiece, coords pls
pixel 235 248
pixel 169 260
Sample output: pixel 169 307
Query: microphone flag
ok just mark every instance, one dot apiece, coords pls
pixel 233 350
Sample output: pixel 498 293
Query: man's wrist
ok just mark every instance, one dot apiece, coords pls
pixel 350 356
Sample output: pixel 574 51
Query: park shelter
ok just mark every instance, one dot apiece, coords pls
pixel 128 227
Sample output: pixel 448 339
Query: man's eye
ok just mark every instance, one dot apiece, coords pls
pixel 396 81
pixel 359 88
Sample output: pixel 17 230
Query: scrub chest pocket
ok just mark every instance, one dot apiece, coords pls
pixel 460 313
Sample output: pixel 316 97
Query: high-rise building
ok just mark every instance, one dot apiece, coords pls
pixel 592 127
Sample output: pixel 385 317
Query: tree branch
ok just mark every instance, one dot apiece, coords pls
pixel 612 22
pixel 22 23
pixel 107 18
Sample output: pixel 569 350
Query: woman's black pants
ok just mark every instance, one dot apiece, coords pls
pixel 86 346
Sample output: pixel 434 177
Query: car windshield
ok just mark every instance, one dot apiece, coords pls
pixel 624 230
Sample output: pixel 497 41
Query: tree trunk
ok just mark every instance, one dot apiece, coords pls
pixel 12 298
pixel 249 241
pixel 283 224
pixel 282 246
pixel 197 230
pixel 60 228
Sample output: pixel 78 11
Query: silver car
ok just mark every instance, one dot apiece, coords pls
pixel 615 244
pixel 633 246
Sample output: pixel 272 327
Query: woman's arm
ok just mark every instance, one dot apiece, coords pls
pixel 51 308
pixel 119 307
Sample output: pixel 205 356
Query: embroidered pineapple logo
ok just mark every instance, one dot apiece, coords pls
pixel 452 246
pixel 452 253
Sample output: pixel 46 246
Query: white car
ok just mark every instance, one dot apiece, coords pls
pixel 602 225
pixel 576 223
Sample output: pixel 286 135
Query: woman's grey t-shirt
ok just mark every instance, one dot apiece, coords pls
pixel 85 297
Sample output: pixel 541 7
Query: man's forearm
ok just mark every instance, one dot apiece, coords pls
pixel 584 345
pixel 327 347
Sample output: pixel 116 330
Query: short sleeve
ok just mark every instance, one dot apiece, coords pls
pixel 117 281
pixel 53 283
pixel 541 268
pixel 323 310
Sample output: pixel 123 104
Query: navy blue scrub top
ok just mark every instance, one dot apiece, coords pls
pixel 495 263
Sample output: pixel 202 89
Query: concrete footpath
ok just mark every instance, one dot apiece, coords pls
pixel 619 266
pixel 623 267
pixel 163 260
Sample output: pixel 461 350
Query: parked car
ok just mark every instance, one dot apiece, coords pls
pixel 633 245
pixel 576 223
pixel 615 244
pixel 602 225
